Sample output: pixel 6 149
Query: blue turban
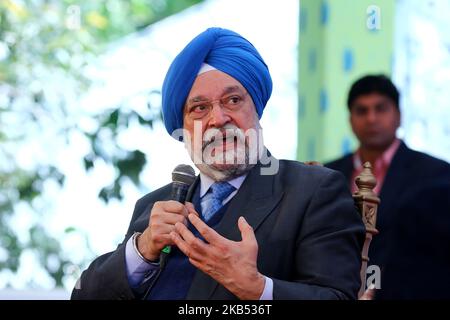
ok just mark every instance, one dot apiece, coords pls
pixel 226 51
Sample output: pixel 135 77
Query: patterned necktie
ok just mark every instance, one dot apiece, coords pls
pixel 218 192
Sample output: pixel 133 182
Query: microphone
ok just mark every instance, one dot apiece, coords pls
pixel 182 178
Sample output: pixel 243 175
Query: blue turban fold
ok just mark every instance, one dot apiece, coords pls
pixel 226 51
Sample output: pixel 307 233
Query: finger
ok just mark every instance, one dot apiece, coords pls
pixel 163 240
pixel 194 242
pixel 369 294
pixel 196 263
pixel 209 269
pixel 184 232
pixel 174 207
pixel 180 243
pixel 194 258
pixel 172 218
pixel 190 207
pixel 185 247
pixel 208 233
pixel 162 228
pixel 247 233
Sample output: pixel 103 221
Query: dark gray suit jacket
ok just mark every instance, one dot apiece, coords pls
pixel 309 235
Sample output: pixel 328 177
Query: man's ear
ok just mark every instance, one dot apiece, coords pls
pixel 350 120
pixel 399 118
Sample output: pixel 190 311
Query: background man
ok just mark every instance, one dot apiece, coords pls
pixel 373 102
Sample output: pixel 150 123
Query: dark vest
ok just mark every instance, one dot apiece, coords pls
pixel 175 279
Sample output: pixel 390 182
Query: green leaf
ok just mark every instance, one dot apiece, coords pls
pixel 69 229
pixel 132 165
pixel 88 161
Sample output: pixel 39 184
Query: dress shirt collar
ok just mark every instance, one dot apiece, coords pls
pixel 206 182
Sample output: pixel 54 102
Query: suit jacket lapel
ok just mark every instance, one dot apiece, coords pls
pixel 255 200
pixel 192 188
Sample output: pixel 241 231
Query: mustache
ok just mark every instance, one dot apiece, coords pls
pixel 228 133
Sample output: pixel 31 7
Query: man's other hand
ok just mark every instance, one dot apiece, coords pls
pixel 231 263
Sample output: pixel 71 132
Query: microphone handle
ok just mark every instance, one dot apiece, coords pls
pixel 179 193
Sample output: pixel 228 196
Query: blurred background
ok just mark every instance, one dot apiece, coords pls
pixel 81 137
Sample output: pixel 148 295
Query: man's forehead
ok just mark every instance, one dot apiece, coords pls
pixel 371 99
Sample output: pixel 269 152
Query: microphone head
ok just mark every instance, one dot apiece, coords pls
pixel 183 173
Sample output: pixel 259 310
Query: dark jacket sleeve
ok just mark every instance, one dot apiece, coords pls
pixel 106 277
pixel 328 248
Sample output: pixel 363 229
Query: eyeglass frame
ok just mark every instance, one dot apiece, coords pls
pixel 223 105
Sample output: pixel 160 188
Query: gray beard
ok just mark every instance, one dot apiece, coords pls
pixel 230 173
pixel 234 169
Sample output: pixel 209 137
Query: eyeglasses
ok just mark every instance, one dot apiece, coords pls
pixel 200 109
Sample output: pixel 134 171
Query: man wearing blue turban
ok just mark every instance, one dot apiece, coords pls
pixel 253 227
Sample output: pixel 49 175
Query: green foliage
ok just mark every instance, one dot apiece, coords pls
pixel 44 43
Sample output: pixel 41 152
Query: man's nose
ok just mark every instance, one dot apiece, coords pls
pixel 218 118
pixel 371 116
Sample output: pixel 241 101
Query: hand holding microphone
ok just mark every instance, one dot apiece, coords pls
pixel 165 214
